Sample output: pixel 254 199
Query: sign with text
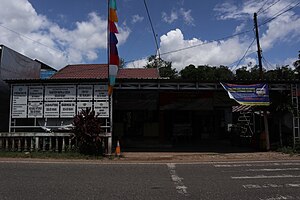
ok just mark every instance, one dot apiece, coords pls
pixel 51 110
pixel 67 109
pixel 60 92
pixel 19 103
pixel 251 95
pixel 36 93
pixel 35 109
pixel 100 92
pixel 84 92
pixel 83 105
pixel 101 109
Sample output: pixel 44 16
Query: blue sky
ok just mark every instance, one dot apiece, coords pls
pixel 61 32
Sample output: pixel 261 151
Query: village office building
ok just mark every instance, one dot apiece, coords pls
pixel 147 110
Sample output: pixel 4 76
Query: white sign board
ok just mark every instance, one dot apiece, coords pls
pixel 19 107
pixel 35 93
pixel 35 109
pixel 83 105
pixel 51 110
pixel 102 109
pixel 67 109
pixel 84 92
pixel 60 92
pixel 100 92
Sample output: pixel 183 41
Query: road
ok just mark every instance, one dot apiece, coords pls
pixel 93 180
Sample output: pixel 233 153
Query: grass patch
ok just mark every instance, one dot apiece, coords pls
pixel 289 150
pixel 47 155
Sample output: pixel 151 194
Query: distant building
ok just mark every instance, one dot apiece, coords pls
pixel 13 65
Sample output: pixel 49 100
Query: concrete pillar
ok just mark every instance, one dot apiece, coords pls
pixel 109 145
pixel 56 144
pixel 63 148
pixel 50 144
pixel 19 144
pixel 44 143
pixel 36 143
pixel 25 144
pixel 13 144
pixel 31 144
pixel 1 143
pixel 70 144
pixel 6 144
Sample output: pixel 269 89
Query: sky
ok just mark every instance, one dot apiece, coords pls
pixel 198 32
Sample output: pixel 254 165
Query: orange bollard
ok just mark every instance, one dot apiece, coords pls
pixel 118 149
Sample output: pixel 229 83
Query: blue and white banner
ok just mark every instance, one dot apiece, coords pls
pixel 252 95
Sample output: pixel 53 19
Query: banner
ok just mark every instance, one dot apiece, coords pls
pixel 252 95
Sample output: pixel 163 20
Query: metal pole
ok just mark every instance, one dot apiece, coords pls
pixel 109 139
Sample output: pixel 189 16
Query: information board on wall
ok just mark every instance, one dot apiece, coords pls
pixel 35 109
pixel 60 92
pixel 83 106
pixel 51 110
pixel 100 92
pixel 19 102
pixel 67 109
pixel 102 109
pixel 84 92
pixel 36 93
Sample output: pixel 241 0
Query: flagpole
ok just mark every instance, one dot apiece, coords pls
pixel 109 139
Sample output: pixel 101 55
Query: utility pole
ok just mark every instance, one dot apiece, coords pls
pixel 266 131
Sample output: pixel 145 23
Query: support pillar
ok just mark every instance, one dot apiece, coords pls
pixel 50 143
pixel 1 143
pixel 63 144
pixel 31 144
pixel 7 144
pixel 19 145
pixel 36 143
pixel 70 144
pixel 25 144
pixel 44 144
pixel 13 144
pixel 56 144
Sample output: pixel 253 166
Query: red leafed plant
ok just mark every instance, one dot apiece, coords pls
pixel 87 127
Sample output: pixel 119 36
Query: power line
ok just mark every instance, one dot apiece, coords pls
pixel 245 54
pixel 280 13
pixel 154 34
pixel 263 6
pixel 273 4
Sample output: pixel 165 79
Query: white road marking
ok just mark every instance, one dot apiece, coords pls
pixel 271 170
pixel 258 164
pixel 287 185
pixel 279 197
pixel 266 177
pixel 180 187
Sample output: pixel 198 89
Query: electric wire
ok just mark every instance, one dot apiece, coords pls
pixel 273 4
pixel 153 31
pixel 262 6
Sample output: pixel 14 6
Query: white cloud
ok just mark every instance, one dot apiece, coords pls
pixel 136 19
pixel 170 18
pixel 34 35
pixel 176 14
pixel 137 63
pixel 214 53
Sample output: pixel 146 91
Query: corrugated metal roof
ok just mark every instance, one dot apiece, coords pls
pixel 100 71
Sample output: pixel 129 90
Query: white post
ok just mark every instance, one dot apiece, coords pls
pixel 25 144
pixel 19 144
pixel 50 143
pixel 63 144
pixel 31 143
pixel 36 143
pixel 70 143
pixel 7 144
pixel 44 143
pixel 13 144
pixel 56 144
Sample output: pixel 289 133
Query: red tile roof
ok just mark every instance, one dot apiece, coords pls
pixel 99 71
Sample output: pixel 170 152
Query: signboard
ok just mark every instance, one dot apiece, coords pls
pixel 60 92
pixel 19 107
pixel 252 95
pixel 67 109
pixel 84 92
pixel 35 93
pixel 101 109
pixel 83 105
pixel 35 109
pixel 100 92
pixel 51 110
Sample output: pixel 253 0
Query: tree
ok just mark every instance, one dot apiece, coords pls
pixel 164 67
pixel 297 64
pixel 87 127
pixel 189 73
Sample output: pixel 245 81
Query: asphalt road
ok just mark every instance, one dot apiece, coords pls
pixel 225 180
